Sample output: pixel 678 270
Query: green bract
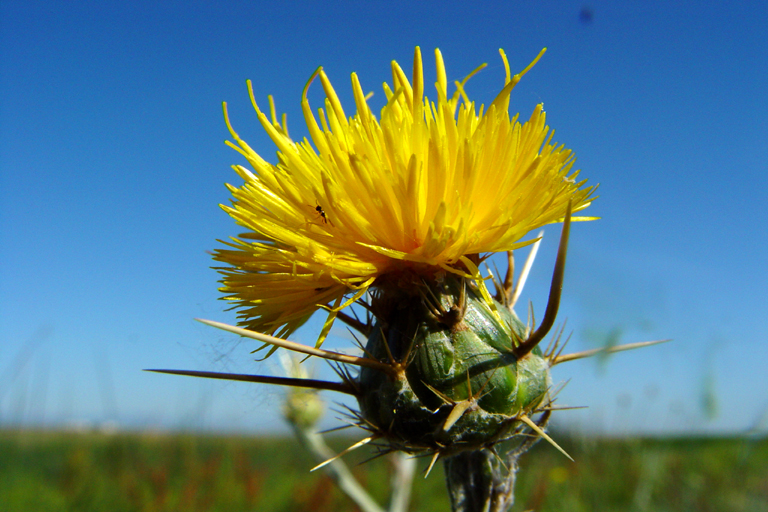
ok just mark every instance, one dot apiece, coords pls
pixel 461 387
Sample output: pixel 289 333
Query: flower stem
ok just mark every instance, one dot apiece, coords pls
pixel 313 442
pixel 401 481
pixel 477 482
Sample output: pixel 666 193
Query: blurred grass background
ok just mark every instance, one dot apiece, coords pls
pixel 90 471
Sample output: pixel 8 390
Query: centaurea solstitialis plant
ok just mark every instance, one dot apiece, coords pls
pixel 396 214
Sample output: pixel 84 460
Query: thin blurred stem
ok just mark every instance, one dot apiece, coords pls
pixel 314 443
pixel 402 481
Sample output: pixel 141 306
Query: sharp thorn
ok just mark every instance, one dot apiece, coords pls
pixel 445 398
pixel 456 413
pixel 543 434
pixel 562 347
pixel 555 291
pixel 303 349
pixel 611 350
pixel 431 464
pixel 561 408
pixel 341 387
pixel 355 446
pixel 509 278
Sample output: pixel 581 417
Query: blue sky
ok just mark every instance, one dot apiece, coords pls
pixel 112 166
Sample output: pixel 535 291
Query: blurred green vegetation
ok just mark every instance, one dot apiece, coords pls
pixel 56 471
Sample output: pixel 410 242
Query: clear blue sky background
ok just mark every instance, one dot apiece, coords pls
pixel 112 164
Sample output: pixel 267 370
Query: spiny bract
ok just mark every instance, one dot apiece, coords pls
pixel 460 384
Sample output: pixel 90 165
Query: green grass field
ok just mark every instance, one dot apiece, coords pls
pixel 54 471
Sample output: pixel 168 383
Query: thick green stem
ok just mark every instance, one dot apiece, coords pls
pixel 478 482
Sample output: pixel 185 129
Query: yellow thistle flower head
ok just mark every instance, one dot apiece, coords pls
pixel 367 200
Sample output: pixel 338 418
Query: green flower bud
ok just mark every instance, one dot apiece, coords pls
pixel 460 386
pixel 303 408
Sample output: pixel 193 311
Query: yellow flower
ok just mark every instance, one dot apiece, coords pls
pixel 417 189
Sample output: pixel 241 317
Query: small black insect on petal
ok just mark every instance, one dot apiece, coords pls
pixel 320 210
